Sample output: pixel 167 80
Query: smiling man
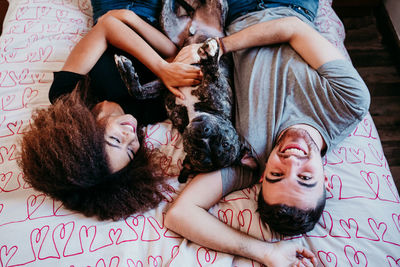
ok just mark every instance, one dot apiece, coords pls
pixel 293 186
pixel 297 97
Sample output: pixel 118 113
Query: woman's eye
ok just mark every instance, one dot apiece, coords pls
pixel 305 177
pixel 276 174
pixel 132 153
pixel 116 139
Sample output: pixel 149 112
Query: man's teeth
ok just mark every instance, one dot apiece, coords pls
pixel 295 151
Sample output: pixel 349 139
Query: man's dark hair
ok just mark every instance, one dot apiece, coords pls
pixel 287 220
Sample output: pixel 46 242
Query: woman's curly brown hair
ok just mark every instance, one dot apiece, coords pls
pixel 63 156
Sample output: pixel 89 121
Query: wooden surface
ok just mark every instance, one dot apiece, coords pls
pixel 3 10
pixel 356 3
pixel 373 51
pixel 354 8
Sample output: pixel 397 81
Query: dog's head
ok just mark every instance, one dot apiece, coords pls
pixel 193 21
pixel 210 142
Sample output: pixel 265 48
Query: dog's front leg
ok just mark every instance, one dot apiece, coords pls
pixel 178 114
pixel 131 80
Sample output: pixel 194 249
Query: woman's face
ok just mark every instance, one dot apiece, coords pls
pixel 120 134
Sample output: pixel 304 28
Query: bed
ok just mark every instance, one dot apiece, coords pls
pixel 359 227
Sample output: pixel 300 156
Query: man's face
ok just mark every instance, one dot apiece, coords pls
pixel 294 173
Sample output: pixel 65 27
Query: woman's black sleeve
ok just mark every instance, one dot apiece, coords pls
pixel 64 83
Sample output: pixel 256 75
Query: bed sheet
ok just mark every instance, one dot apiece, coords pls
pixel 359 227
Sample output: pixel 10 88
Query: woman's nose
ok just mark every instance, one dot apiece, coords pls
pixel 291 159
pixel 126 134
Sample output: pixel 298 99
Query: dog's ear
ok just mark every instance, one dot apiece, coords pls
pixel 247 158
pixel 186 171
pixel 249 161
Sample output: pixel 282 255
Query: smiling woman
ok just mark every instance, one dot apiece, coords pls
pixel 66 155
pixel 95 163
pixel 120 135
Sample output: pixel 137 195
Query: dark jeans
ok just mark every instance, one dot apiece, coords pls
pixel 237 8
pixel 148 10
pixel 306 8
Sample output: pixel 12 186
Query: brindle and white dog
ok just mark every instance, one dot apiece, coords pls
pixel 204 117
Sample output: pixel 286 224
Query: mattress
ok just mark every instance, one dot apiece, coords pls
pixel 360 225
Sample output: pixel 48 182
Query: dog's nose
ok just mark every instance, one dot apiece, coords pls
pixel 202 130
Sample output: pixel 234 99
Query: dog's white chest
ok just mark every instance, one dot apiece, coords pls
pixel 189 101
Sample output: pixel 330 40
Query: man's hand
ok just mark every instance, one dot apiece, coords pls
pixel 177 74
pixel 289 254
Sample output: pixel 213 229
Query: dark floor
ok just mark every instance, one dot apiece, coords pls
pixel 371 46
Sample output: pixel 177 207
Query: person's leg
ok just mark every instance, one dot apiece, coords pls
pixel 148 10
pixel 307 8
pixel 100 7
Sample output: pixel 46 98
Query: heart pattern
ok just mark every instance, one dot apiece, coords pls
pixel 328 259
pixel 355 257
pixel 362 209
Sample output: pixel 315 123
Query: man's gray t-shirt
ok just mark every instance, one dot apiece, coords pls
pixel 276 89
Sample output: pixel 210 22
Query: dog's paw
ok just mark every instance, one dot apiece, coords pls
pixel 209 49
pixel 128 75
pixel 130 78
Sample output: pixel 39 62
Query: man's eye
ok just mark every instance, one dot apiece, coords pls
pixel 276 174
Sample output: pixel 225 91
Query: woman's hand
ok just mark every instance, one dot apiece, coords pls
pixel 177 74
pixel 180 72
pixel 289 254
pixel 188 54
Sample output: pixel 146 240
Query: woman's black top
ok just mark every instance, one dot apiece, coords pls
pixel 106 84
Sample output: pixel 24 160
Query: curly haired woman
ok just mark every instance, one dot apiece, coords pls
pixel 85 151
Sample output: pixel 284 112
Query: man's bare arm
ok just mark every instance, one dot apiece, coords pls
pixel 189 217
pixel 306 41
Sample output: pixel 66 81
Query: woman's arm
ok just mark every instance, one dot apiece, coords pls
pixel 189 217
pixel 156 39
pixel 111 30
pixel 307 42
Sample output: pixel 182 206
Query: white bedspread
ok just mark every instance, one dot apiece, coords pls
pixel 360 225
